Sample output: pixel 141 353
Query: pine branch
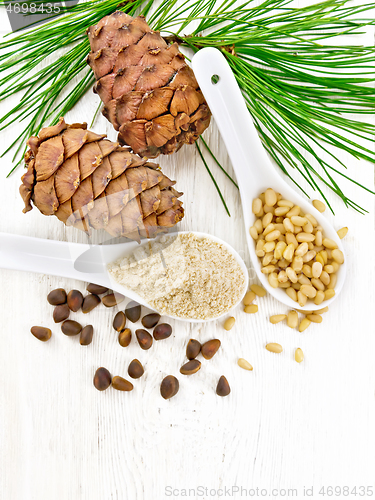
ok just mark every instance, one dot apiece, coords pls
pixel 299 90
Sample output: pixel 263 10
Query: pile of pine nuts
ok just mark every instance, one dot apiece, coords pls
pixel 293 250
pixel 292 318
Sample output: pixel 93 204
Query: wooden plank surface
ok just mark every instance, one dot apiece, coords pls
pixel 283 426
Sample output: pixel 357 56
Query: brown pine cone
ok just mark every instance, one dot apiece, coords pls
pixel 90 182
pixel 150 94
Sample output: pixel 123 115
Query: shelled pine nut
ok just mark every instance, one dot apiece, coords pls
pixel 328 243
pixel 253 233
pixel 272 280
pixel 342 232
pixel 307 271
pixel 315 318
pixel 316 283
pixel 259 248
pixel 292 276
pixel 244 364
pixel 319 205
pixel 335 265
pixel 309 256
pixel 258 290
pixel 298 221
pixel 308 227
pixel 267 209
pixel 301 298
pixel 251 309
pixel 294 211
pixel 258 226
pixel 324 278
pixel 269 246
pixel 332 282
pixel 292 319
pixel 338 256
pixel 318 238
pixel 292 293
pixel 305 323
pixel 282 277
pixel 309 291
pixel 304 280
pixel 321 311
pixel 276 318
pixel 298 355
pixel 329 269
pixel 302 249
pixel 301 237
pixel 270 197
pixel 249 298
pixel 319 297
pixel 317 268
pixel 328 294
pixel 229 323
pixel 274 347
pixel 285 203
pixel 257 206
pixel 291 240
pixel 279 211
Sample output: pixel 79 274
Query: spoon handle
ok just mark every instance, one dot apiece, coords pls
pixel 249 158
pixel 38 255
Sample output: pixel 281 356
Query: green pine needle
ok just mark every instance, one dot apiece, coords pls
pixel 213 179
pixel 217 162
pixel 301 91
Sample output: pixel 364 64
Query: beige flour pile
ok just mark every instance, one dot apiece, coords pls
pixel 184 275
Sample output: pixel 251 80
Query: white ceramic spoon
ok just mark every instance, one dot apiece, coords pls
pixel 253 168
pixel 83 262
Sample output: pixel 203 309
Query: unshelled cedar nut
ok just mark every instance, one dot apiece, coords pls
pixel 222 388
pixel 125 337
pixel 86 335
pixel 89 303
pixel 210 348
pixel 169 387
pixel 135 369
pixel 57 297
pixel 133 311
pixel 193 348
pixel 71 328
pixel 190 367
pixel 122 384
pixel 112 299
pixel 162 331
pixel 41 333
pixel 75 300
pixel 102 379
pixel 144 339
pixel 96 289
pixel 150 320
pixel 119 321
pixel 60 313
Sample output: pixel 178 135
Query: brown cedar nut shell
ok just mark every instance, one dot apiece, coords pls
pixel 150 94
pixel 90 182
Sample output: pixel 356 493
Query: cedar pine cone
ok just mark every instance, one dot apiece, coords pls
pixel 88 181
pixel 150 94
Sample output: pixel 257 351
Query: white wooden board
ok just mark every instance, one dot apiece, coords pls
pixel 283 426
